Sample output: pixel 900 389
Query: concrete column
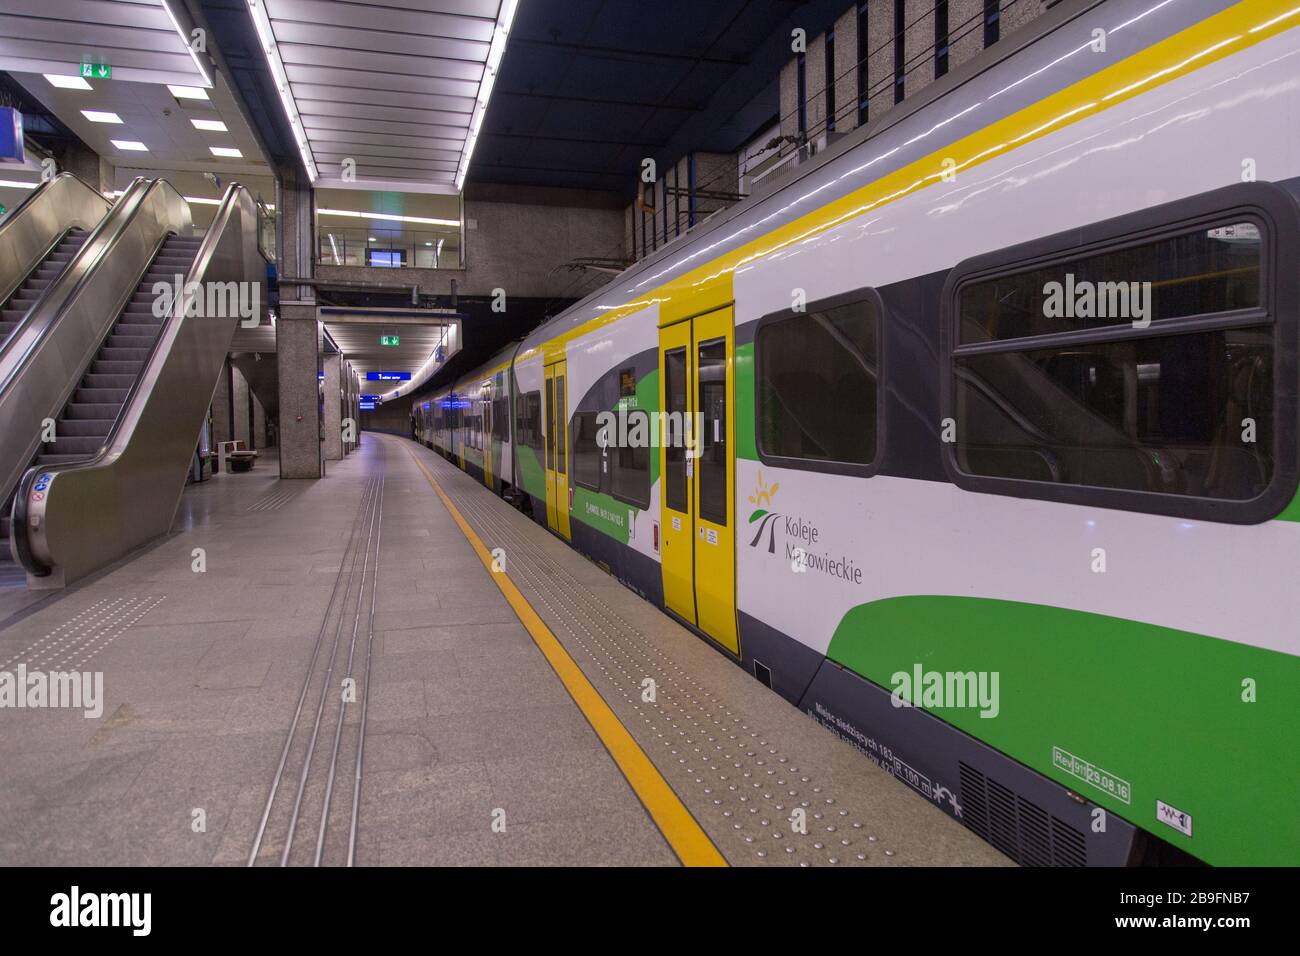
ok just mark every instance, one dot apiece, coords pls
pixel 918 45
pixel 334 407
pixel 789 87
pixel 297 333
pixel 1014 14
pixel 965 31
pixel 815 85
pixel 846 71
pixel 880 65
pixel 297 352
pixel 239 399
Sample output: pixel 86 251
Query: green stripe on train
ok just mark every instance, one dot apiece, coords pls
pixel 1163 711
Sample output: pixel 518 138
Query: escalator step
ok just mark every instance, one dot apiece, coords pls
pixel 83 427
pixel 99 396
pixel 122 340
pixel 107 354
pixel 84 411
pixel 101 367
pixel 107 380
pixel 78 447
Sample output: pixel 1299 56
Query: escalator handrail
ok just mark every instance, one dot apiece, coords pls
pixel 19 528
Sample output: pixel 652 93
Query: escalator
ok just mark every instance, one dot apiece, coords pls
pixel 96 405
pixel 98 430
pixel 27 294
pixel 39 241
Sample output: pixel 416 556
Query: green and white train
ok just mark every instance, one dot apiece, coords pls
pixel 997 477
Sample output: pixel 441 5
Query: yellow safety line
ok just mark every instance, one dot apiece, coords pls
pixel 691 844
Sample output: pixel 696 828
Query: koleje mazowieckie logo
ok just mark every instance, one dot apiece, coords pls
pixel 766 519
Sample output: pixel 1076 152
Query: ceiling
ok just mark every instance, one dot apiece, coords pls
pixel 135 37
pixel 588 88
pixel 151 114
pixel 390 85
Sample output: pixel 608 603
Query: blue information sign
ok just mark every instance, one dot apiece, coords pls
pixel 388 376
pixel 11 135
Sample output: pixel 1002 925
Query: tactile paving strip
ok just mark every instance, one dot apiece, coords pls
pixel 76 641
pixel 702 746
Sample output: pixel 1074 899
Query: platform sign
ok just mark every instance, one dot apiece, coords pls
pixel 11 135
pixel 388 376
pixel 96 71
pixel 371 398
pixel 388 340
pixel 367 406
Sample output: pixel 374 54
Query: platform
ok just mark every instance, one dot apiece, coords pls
pixel 497 719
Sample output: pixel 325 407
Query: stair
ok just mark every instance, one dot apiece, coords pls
pixel 51 268
pixel 87 420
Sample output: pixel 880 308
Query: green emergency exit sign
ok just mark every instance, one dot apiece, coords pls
pixel 388 340
pixel 98 71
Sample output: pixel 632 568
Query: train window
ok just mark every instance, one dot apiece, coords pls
pixel 630 465
pixel 586 451
pixel 1139 372
pixel 561 416
pixel 1200 272
pixel 501 419
pixel 530 412
pixel 675 490
pixel 818 385
pixel 712 410
pixel 550 424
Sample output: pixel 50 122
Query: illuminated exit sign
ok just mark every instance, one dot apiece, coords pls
pixel 98 71
pixel 388 340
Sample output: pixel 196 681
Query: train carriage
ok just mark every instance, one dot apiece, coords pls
pixel 989 461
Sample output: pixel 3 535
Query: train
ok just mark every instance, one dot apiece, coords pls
pixel 975 439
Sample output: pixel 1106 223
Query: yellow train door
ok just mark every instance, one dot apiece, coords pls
pixel 557 450
pixel 697 387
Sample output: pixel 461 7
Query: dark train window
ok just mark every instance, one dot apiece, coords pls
pixel 561 417
pixel 712 408
pixel 674 454
pixel 530 414
pixel 630 465
pixel 501 419
pixel 1201 272
pixel 818 384
pixel 586 451
pixel 1175 405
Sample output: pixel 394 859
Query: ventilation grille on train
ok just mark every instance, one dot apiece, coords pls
pixel 1022 830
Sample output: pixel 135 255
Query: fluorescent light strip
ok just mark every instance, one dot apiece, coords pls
pixel 188 92
pixel 262 23
pixel 68 82
pixel 353 214
pixel 15 184
pixel 227 151
pixel 185 40
pixel 496 51
pixel 101 116
pixel 212 126
pixel 130 145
